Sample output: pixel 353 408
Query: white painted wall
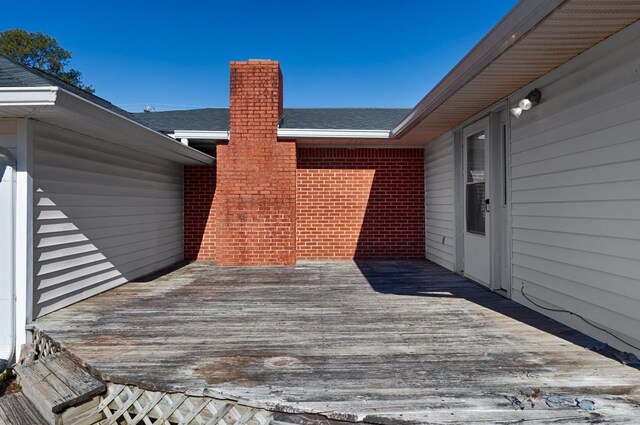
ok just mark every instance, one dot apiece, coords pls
pixel 8 143
pixel 439 201
pixel 103 215
pixel 575 166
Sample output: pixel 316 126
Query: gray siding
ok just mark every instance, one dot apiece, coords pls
pixel 439 201
pixel 8 137
pixel 575 166
pixel 103 215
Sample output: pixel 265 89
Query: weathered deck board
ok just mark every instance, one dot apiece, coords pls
pixel 15 409
pixel 55 383
pixel 369 341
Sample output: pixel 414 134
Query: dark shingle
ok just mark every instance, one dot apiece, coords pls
pixel 209 119
pixel 14 74
pixel 343 118
pixel 217 119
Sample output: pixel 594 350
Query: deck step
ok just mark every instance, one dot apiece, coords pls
pixel 56 383
pixel 15 409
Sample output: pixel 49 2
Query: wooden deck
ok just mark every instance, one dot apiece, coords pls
pixel 378 342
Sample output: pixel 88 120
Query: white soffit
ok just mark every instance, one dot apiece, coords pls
pixel 569 28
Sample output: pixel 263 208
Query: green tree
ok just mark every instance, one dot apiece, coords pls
pixel 40 51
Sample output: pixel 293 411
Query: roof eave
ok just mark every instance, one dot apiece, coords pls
pixel 43 102
pixel 111 119
pixel 289 133
pixel 518 22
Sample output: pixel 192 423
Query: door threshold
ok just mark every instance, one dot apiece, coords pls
pixel 502 293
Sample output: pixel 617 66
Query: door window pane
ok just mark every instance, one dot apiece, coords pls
pixel 475 185
pixel 475 208
pixel 475 158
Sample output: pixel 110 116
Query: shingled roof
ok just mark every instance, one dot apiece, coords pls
pixel 344 118
pixel 14 74
pixel 217 119
pixel 209 119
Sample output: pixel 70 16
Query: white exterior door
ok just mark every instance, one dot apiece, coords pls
pixel 476 186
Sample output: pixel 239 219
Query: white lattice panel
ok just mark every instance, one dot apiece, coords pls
pixel 43 346
pixel 124 404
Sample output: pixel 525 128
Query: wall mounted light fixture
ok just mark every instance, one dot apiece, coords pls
pixel 531 100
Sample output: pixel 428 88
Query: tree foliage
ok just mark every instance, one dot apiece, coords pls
pixel 40 51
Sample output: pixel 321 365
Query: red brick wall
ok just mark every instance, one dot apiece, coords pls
pixel 199 213
pixel 256 175
pixel 275 203
pixel 360 203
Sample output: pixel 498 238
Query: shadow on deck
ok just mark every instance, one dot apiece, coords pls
pixel 373 341
pixel 389 280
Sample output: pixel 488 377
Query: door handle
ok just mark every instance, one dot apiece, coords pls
pixel 486 205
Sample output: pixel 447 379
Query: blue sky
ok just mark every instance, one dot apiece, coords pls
pixel 333 53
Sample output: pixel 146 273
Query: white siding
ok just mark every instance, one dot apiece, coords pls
pixel 103 215
pixel 575 166
pixel 439 201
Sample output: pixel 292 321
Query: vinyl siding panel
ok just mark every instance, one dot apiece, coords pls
pixel 439 200
pixel 575 167
pixel 8 135
pixel 103 215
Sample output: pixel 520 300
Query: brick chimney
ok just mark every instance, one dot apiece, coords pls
pixel 255 202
